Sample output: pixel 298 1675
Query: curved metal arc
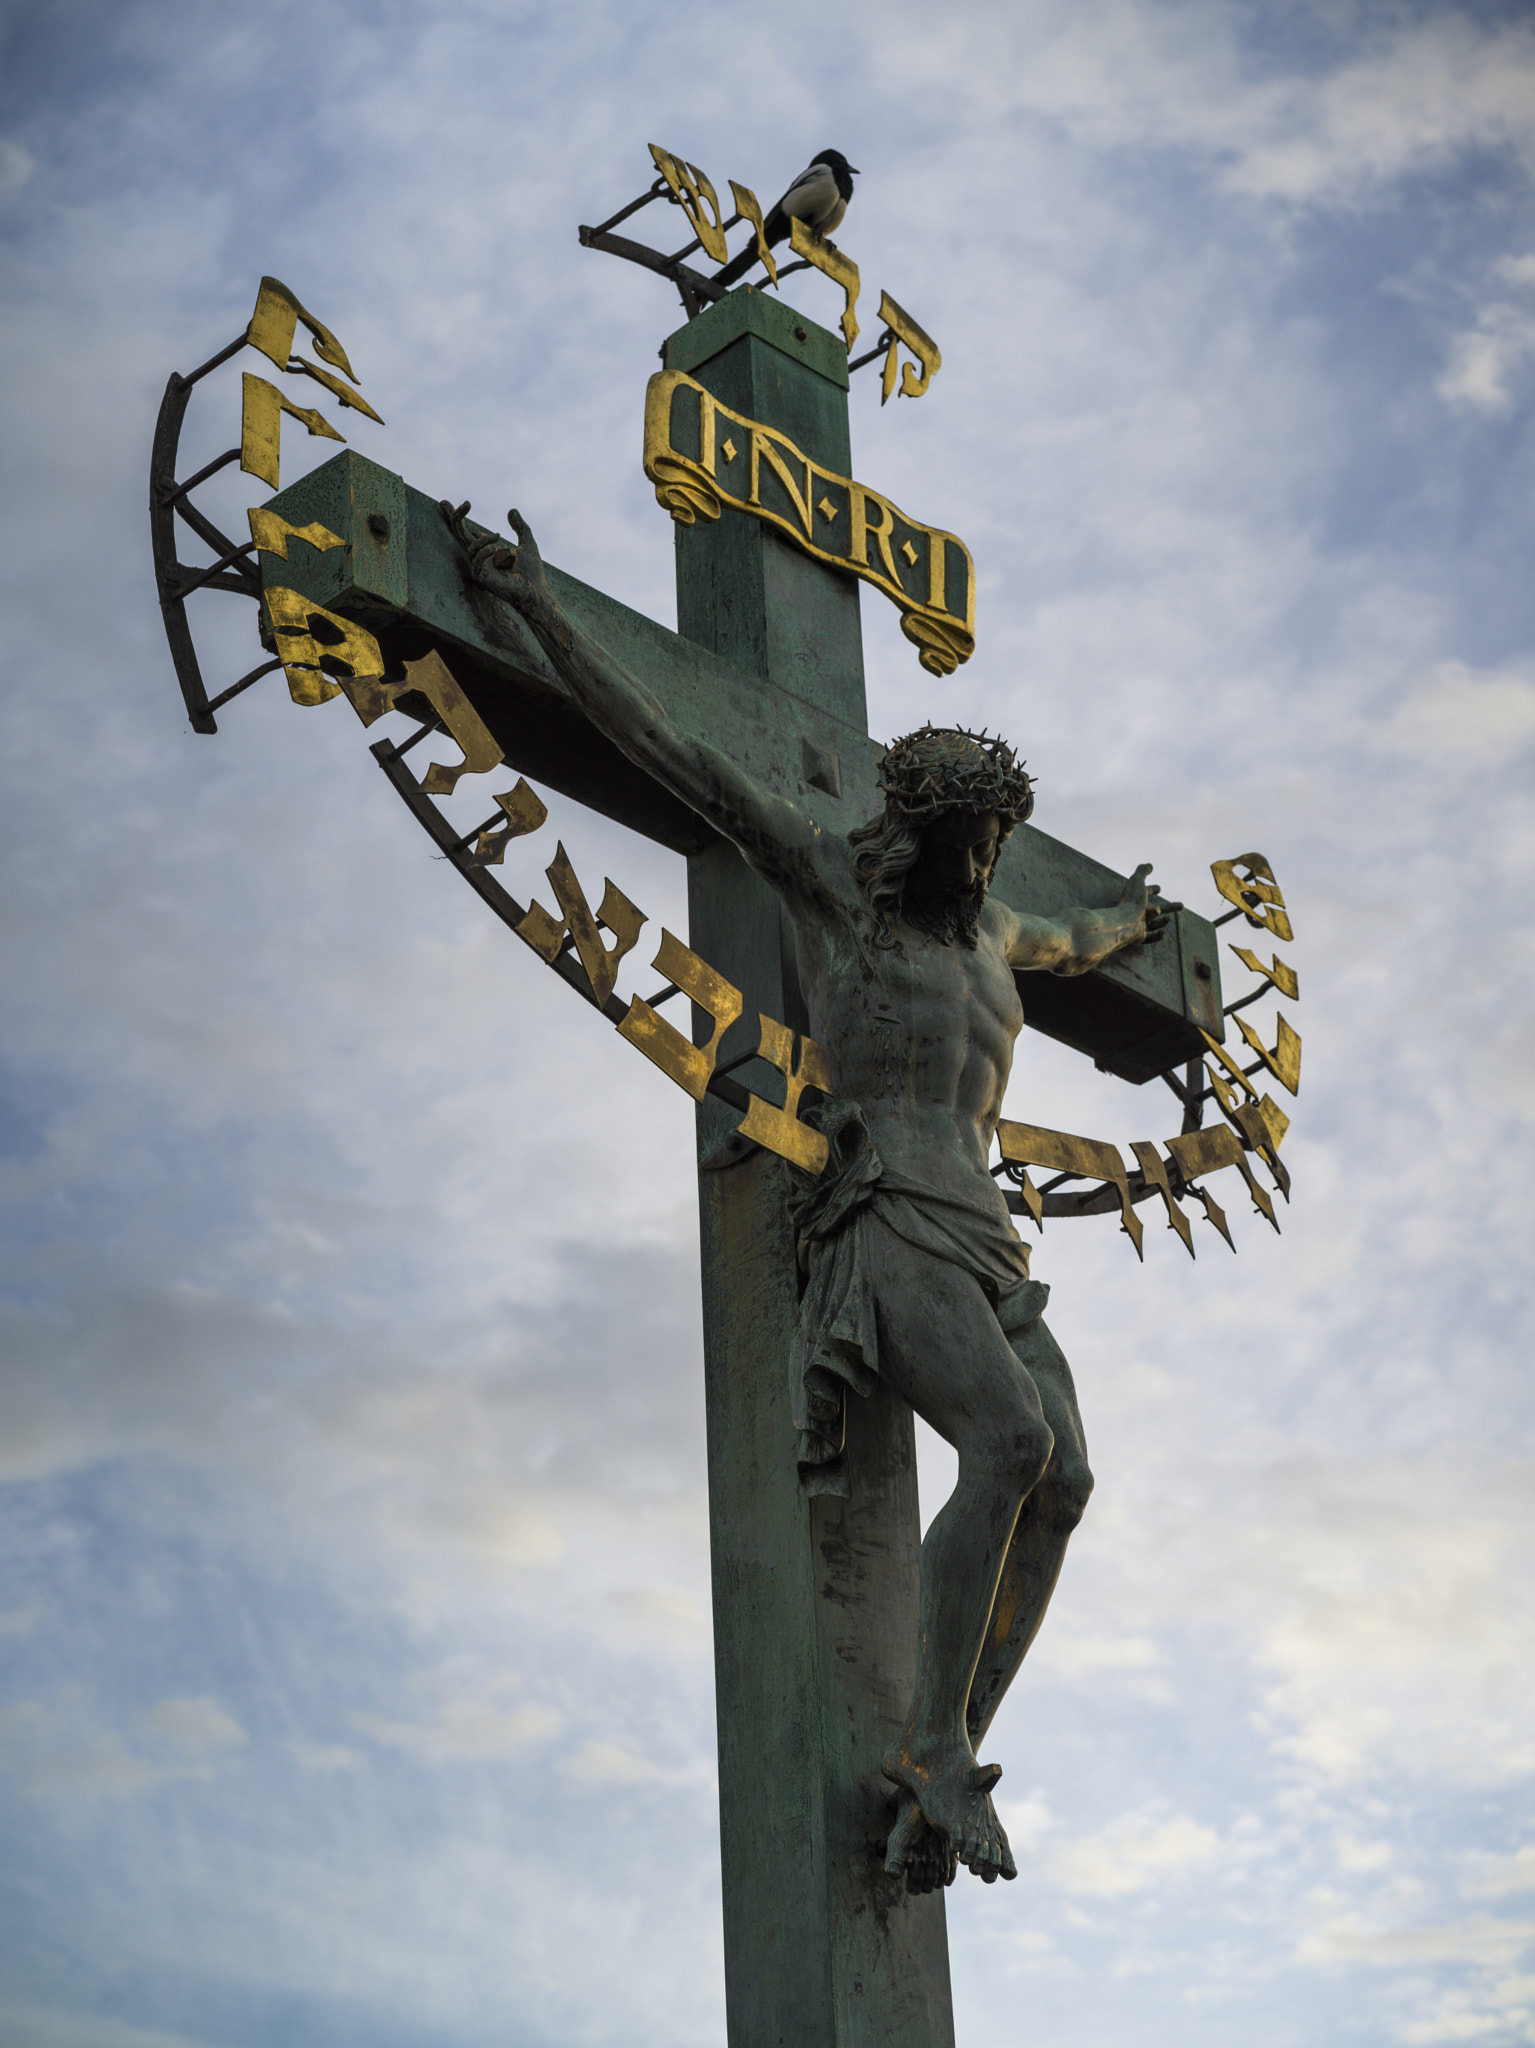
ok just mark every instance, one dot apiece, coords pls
pixel 175 581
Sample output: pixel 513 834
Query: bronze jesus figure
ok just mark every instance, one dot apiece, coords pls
pixel 916 1273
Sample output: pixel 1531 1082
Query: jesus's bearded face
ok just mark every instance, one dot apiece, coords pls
pixel 946 888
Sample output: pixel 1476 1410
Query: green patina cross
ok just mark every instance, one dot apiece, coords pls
pixel 814 1600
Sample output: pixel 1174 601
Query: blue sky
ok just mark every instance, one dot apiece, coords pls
pixel 355 1676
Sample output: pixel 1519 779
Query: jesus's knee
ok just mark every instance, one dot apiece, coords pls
pixel 1014 1447
pixel 1070 1488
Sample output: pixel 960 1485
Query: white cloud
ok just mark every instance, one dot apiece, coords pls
pixel 198 1727
pixel 1133 1852
pixel 17 167
pixel 1483 1939
pixel 53 1748
pixel 1479 717
pixel 319 1756
pixel 468 1730
pixel 599 1763
pixel 1494 1877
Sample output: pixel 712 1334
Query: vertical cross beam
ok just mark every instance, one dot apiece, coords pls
pixel 815 1601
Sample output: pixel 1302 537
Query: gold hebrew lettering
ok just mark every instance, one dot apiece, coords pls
pixel 1223 1093
pixel 1214 1213
pixel 904 329
pixel 1149 1160
pixel 746 205
pixel 762 443
pixel 1285 979
pixel 261 410
pixel 693 193
pixel 546 934
pixel 525 812
pixel 273 323
pixel 780 1130
pixel 271 533
pixel 1198 1152
pixel 1029 1145
pixel 301 653
pixel 1266 911
pixel 333 385
pixel 1284 1061
pixel 1031 1200
pixel 689 1065
pixel 826 256
pixel 1255 1128
pixel 430 677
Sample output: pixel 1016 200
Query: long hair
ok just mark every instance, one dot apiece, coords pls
pixel 884 853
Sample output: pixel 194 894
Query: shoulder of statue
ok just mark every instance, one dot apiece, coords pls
pixel 826 861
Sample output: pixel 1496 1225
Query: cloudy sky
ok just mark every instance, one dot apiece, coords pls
pixel 355 1671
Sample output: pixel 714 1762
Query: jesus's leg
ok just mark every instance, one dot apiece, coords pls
pixel 1044 1527
pixel 941 1349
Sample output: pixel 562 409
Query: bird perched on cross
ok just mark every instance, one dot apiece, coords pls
pixel 818 197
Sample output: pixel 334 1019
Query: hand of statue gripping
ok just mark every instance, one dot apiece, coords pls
pixel 515 574
pixel 1152 914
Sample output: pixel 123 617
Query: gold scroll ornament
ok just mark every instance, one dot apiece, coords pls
pixel 697 467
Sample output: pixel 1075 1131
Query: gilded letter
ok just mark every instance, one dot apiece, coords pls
pixel 814 248
pixel 271 533
pixel 430 677
pixel 923 347
pixel 1266 911
pixel 525 812
pixel 762 440
pixel 1028 1145
pixel 546 934
pixel 1284 1061
pixel 1285 979
pixel 1154 1172
pixel 333 385
pixel 272 326
pixel 780 1130
pixel 261 413
pixel 746 205
pixel 693 192
pixel 301 654
pixel 689 1065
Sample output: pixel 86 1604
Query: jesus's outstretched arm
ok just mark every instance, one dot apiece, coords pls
pixel 776 838
pixel 1077 940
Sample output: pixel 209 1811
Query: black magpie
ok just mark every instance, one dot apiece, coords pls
pixel 818 197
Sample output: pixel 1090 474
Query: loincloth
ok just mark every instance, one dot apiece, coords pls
pixel 837 1343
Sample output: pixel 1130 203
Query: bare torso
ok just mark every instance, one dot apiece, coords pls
pixel 920 1036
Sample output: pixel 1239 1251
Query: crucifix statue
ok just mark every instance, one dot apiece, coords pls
pixel 869 928
pixel 915 1273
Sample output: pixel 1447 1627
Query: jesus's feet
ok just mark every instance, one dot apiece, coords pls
pixel 952 1795
pixel 927 1859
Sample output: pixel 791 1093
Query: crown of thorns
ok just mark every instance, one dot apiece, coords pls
pixel 946 768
